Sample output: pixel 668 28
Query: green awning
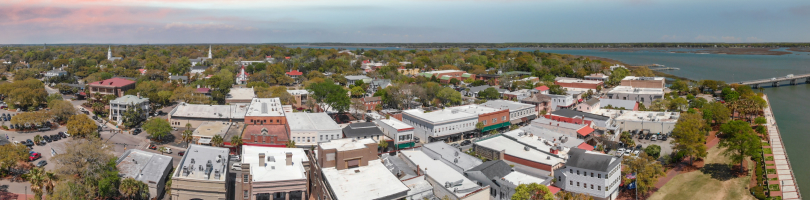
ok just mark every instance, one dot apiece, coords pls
pixel 496 126
pixel 405 145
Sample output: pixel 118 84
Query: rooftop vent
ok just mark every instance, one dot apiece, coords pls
pixel 526 148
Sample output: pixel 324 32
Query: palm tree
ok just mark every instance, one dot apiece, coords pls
pixel 290 144
pixel 217 141
pixel 130 188
pixel 187 136
pixel 49 182
pixel 36 177
pixel 480 126
pixel 236 141
pixel 383 144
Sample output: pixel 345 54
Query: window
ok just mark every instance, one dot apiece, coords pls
pixel 591 186
pixel 504 118
pixel 485 122
pixel 577 172
pixel 572 182
pixel 599 188
pixel 591 174
pixel 572 171
pixel 599 175
pixel 577 184
pixel 494 120
pixel 245 178
pixel 246 194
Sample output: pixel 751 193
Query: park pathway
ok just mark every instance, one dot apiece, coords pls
pixel 788 185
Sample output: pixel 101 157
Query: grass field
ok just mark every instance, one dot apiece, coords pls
pixel 714 181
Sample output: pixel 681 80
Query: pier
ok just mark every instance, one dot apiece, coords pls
pixel 657 67
pixel 774 82
pixel 787 181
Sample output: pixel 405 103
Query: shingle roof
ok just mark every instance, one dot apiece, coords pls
pixel 493 168
pixel 361 130
pixel 537 98
pixel 579 158
pixel 592 101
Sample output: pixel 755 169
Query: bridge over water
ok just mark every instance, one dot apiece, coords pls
pixel 774 82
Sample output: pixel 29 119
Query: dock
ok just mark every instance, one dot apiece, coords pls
pixel 787 181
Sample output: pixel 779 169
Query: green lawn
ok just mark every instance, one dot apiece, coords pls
pixel 770 164
pixel 771 171
pixel 774 187
pixel 765 144
pixel 767 151
pixel 769 158
pixel 698 185
pixel 773 179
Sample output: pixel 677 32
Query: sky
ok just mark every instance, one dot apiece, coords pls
pixel 401 21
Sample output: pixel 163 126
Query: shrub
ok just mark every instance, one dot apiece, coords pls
pixel 759 192
pixel 5 127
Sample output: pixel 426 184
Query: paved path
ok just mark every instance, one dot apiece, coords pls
pixel 788 188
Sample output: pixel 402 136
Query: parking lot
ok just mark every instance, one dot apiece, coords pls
pixel 666 147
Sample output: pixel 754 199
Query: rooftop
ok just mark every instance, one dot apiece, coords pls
pixel 203 163
pixel 276 168
pixel 311 121
pixel 209 129
pixel 441 173
pixel 278 130
pixel 241 93
pixel 440 116
pixel 373 181
pixel 578 81
pixel 592 101
pixel 597 75
pixel 532 135
pixel 357 77
pixel 476 109
pixel 518 178
pixel 504 104
pixel 298 92
pixel 347 144
pixel 647 116
pixel 643 78
pixel 113 82
pixel 441 150
pixel 130 99
pixel 517 149
pixel 617 103
pixel 632 90
pixel 573 113
pixel 537 98
pixel 592 160
pixel 399 125
pixel 143 166
pixel 233 111
pixel 361 130
pixel 443 71
pixel 265 107
pixel 295 73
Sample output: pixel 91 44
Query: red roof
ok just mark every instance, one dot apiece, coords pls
pixel 542 88
pixel 584 131
pixel 585 146
pixel 553 189
pixel 115 82
pixel 287 57
pixel 295 73
pixel 142 70
pixel 203 90
pixel 268 57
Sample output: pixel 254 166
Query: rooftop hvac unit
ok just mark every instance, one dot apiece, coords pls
pixel 526 148
pixel 455 160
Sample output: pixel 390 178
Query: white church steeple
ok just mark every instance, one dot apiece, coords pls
pixel 209 51
pixel 109 53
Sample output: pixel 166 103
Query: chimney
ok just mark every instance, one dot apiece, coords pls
pixel 261 160
pixel 289 158
pixel 417 171
pixel 139 95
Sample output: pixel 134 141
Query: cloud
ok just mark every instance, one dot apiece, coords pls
pixel 180 25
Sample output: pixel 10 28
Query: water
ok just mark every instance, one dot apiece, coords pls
pixel 786 101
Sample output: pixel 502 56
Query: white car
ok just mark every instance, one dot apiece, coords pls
pixel 236 166
pixel 620 151
pixel 635 153
pixel 168 150
pixel 627 152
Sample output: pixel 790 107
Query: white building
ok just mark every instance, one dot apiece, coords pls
pixel 528 153
pixel 55 72
pixel 445 180
pixel 350 80
pixel 597 77
pixel 518 112
pixel 642 95
pixel 119 106
pixel 109 55
pixel 656 122
pixel 439 125
pixel 199 60
pixel 201 174
pixel 561 101
pixel 147 167
pixel 272 173
pixel 312 125
pixel 591 173
pixel 400 132
pixel 198 69
pixel 242 77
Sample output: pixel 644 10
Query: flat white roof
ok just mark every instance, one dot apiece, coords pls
pixel 396 123
pixel 579 81
pixel 346 144
pixel 518 178
pixel 440 172
pixel 476 109
pixel 276 168
pixel 643 78
pixel 440 116
pixel 265 107
pixel 632 90
pixel 357 77
pixel 541 143
pixel 504 104
pixel 311 121
pixel 516 149
pixel 373 181
pixel 647 116
pixel 298 92
pixel 233 111
pixel 241 93
pixel 196 162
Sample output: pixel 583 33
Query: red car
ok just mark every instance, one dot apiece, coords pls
pixel 153 147
pixel 34 156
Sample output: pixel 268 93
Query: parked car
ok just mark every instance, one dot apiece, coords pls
pixel 665 138
pixel 235 158
pixel 42 163
pixel 56 137
pixel 620 151
pixel 29 142
pixel 466 142
pixel 647 137
pixel 627 152
pixel 136 131
pixel 153 147
pixel 638 147
pixel 67 134
pixel 181 153
pixel 635 153
pixel 34 156
pixel 236 166
pixel 653 138
pixel 168 150
pixel 45 129
pixel 47 138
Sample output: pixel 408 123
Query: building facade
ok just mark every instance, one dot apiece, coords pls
pixel 643 82
pixel 445 124
pixel 400 132
pixel 518 112
pixel 309 129
pixel 591 173
pixel 202 174
pixel 114 86
pixel 642 95
pixel 120 105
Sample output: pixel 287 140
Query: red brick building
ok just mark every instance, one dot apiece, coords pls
pixel 266 124
pixel 115 86
pixel 371 102
pixel 266 135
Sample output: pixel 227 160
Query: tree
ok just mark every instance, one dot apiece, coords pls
pixel 647 171
pixel 236 141
pixel 61 110
pixel 740 141
pixel 653 151
pixel 162 149
pixel 627 139
pixel 187 134
pixel 82 126
pixel 290 144
pixel 643 72
pixel 133 189
pixel 328 95
pixel 689 136
pixel 716 113
pixel 87 170
pixel 38 138
pixel 36 176
pixel 556 89
pixel 157 128
pixel 489 93
pixel 679 104
pixel 383 145
pixel 532 191
pixel 680 86
pixel 617 75
pixel 480 126
pixel 564 195
pixel 217 141
pixel 760 121
pixel 132 116
pixel 275 92
pixel 359 107
pixel 52 97
pixel 11 155
pixel 449 96
pixel 24 93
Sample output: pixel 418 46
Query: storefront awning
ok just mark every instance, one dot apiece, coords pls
pixel 516 121
pixel 496 126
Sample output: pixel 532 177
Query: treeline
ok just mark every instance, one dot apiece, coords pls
pixel 562 45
